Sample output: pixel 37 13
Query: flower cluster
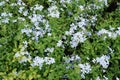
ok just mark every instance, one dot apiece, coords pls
pixel 36 7
pixel 78 31
pixel 110 33
pixel 103 61
pixel 23 11
pixel 85 69
pixel 65 1
pixel 72 59
pixel 2 3
pixel 40 25
pixel 60 42
pixel 104 78
pixel 38 61
pixel 49 50
pixel 5 17
pixel 77 38
pixel 53 11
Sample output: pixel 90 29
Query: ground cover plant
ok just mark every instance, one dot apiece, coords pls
pixel 59 40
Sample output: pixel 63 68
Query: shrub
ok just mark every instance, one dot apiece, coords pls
pixel 59 40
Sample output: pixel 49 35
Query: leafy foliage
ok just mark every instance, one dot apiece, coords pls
pixel 59 40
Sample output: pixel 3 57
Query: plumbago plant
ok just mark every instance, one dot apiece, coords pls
pixel 59 40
